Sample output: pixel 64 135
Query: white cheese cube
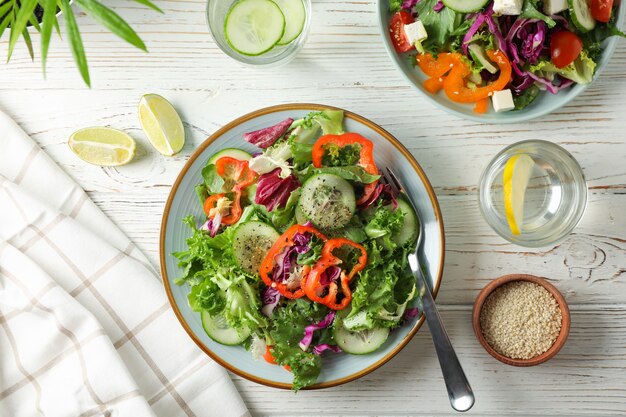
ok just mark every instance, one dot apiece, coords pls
pixel 415 32
pixel 508 7
pixel 502 100
pixel 554 6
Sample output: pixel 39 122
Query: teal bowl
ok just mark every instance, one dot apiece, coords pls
pixel 339 368
pixel 544 104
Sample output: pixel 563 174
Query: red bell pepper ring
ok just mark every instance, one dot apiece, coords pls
pixel 283 243
pixel 234 212
pixel 314 289
pixel 366 159
pixel 236 173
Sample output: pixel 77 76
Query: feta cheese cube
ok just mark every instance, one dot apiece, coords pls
pixel 415 32
pixel 554 6
pixel 502 101
pixel 508 7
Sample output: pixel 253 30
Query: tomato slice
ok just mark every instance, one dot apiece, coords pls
pixel 396 29
pixel 565 47
pixel 601 10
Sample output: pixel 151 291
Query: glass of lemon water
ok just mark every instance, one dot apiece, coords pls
pixel 533 193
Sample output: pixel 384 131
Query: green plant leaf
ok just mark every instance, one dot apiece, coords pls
pixel 76 42
pixel 149 4
pixel 49 19
pixel 5 8
pixel 112 21
pixel 33 21
pixel 5 22
pixel 19 24
pixel 29 43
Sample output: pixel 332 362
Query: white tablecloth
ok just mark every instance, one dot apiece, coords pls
pixel 85 326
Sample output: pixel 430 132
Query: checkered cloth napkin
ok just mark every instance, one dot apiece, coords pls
pixel 85 327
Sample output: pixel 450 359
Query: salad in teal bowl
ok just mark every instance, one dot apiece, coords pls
pixel 500 60
pixel 299 255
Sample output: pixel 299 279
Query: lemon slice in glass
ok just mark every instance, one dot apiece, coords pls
pixel 517 173
pixel 162 124
pixel 102 146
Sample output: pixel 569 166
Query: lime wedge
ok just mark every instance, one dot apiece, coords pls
pixel 102 146
pixel 162 124
pixel 517 173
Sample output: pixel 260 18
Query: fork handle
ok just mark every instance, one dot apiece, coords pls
pixel 459 390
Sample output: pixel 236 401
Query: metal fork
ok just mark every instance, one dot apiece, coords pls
pixel 459 391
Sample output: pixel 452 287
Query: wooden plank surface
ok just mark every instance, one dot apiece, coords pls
pixel 344 64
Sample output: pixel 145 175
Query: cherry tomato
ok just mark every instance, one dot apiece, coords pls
pixel 601 10
pixel 565 47
pixel 396 29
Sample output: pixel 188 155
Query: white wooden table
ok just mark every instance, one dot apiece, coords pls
pixel 344 64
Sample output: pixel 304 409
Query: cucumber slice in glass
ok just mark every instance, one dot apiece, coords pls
pixel 465 6
pixel 295 16
pixel 253 27
pixel 581 15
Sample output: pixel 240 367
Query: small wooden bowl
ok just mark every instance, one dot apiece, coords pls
pixel 565 321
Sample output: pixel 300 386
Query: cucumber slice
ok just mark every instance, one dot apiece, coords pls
pixel 581 15
pixel 251 241
pixel 478 54
pixel 410 223
pixel 361 342
pixel 295 16
pixel 253 27
pixel 465 6
pixel 328 201
pixel 300 216
pixel 233 153
pixel 218 329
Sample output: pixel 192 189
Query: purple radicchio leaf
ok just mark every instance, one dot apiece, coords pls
pixel 411 313
pixel 273 191
pixel 264 138
pixel 308 330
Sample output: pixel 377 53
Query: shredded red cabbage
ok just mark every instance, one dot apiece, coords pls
pixel 439 6
pixel 409 4
pixel 331 274
pixel 308 330
pixel 325 346
pixel 270 298
pixel 286 260
pixel 212 225
pixel 264 138
pixel 273 191
pixel 411 313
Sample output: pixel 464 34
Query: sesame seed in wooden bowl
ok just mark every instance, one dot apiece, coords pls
pixel 521 320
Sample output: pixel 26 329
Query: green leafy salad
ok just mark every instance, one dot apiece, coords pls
pixel 302 252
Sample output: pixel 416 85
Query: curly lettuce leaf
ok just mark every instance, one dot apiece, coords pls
pixel 530 10
pixel 347 172
pixel 287 329
pixel 384 224
pixel 441 27
pixel 580 71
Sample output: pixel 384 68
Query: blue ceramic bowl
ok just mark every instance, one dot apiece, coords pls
pixel 182 201
pixel 544 104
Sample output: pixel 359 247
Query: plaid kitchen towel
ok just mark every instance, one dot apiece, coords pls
pixel 85 327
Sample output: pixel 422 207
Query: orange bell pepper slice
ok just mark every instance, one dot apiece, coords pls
pixel 366 159
pixel 455 86
pixel 437 67
pixel 481 105
pixel 314 289
pixel 285 241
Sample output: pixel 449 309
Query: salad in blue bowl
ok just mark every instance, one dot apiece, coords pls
pixel 301 251
pixel 504 55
